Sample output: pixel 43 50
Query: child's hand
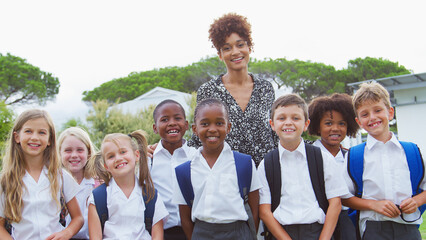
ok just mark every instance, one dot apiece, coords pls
pixel 62 235
pixel 386 207
pixel 408 206
pixel 150 149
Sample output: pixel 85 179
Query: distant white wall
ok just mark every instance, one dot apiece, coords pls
pixel 411 118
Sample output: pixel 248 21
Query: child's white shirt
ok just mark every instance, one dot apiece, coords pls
pixel 162 169
pixel 126 219
pixel 339 158
pixel 86 187
pixel 217 197
pixel 298 204
pixel 40 214
pixel 386 176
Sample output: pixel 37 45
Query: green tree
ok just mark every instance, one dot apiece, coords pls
pixel 21 82
pixel 361 69
pixel 6 124
pixel 107 118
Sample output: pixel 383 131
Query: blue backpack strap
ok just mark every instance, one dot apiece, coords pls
pixel 149 209
pixel 356 167
pixel 183 175
pixel 100 197
pixel 244 173
pixel 416 167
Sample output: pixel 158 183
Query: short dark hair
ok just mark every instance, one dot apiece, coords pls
pixel 290 99
pixel 230 23
pixel 210 102
pixel 339 102
pixel 164 102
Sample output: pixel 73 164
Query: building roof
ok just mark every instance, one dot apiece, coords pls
pixel 407 81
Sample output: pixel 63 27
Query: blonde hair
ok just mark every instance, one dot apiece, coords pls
pixel 14 166
pixel 370 92
pixel 84 137
pixel 139 143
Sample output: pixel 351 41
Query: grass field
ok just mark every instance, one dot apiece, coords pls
pixel 423 227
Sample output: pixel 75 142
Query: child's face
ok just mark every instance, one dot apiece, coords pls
pixel 235 53
pixel 170 124
pixel 289 123
pixel 212 126
pixel 33 137
pixel 333 128
pixel 374 118
pixel 74 154
pixel 120 158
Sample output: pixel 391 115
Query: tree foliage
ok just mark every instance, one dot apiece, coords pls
pixel 308 79
pixel 107 118
pixel 21 82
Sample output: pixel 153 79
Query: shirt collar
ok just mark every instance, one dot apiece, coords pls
pixel 300 149
pixel 116 189
pixel 161 148
pixel 371 141
pixel 225 151
pixel 339 157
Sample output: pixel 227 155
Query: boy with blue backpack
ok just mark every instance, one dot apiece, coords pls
pixel 385 176
pixel 301 185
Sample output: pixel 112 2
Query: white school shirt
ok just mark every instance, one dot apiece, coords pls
pixel 40 214
pixel 86 187
pixel 217 197
pixel 386 177
pixel 298 204
pixel 163 173
pixel 339 158
pixel 126 218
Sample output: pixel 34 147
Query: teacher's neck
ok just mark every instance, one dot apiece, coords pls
pixel 236 77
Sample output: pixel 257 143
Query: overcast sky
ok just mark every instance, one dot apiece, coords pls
pixel 86 43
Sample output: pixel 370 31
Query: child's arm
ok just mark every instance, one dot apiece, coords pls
pixel 273 225
pixel 410 205
pixel 157 232
pixel 333 211
pixel 186 221
pixel 384 207
pixel 3 233
pixel 94 224
pixel 75 224
pixel 253 201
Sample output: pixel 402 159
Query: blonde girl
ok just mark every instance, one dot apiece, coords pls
pixel 116 164
pixel 32 182
pixel 75 149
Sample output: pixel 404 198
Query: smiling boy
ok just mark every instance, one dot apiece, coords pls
pixel 301 211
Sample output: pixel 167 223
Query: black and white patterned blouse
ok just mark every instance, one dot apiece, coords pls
pixel 250 131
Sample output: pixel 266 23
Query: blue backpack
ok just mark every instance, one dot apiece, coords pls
pixel 100 197
pixel 356 168
pixel 243 165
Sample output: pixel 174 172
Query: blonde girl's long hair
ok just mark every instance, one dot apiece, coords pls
pixel 84 137
pixel 138 142
pixel 14 166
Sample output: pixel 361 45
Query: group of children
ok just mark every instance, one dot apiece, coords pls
pixel 213 192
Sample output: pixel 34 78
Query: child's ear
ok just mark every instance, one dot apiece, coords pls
pixel 391 113
pixel 137 154
pixel 219 54
pixel 186 125
pixel 357 121
pixel 154 127
pixel 16 137
pixel 271 122
pixel 194 129
pixel 306 124
pixel 229 127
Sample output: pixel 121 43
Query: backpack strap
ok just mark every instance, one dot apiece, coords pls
pixel 415 165
pixel 356 167
pixel 183 175
pixel 316 172
pixel 244 173
pixel 149 209
pixel 100 197
pixel 273 176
